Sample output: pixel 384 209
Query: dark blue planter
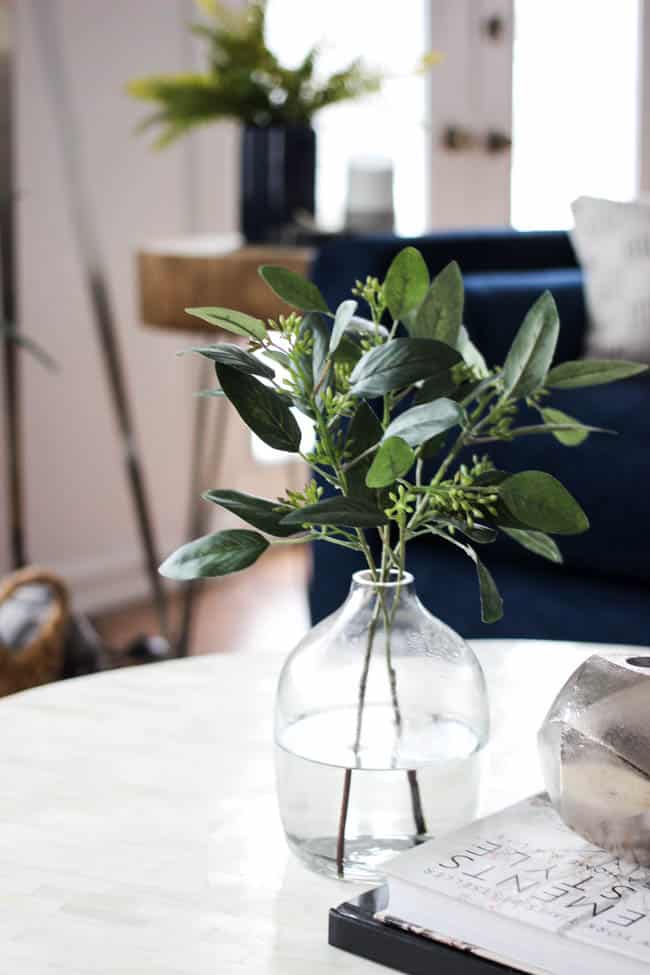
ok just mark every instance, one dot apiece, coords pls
pixel 278 175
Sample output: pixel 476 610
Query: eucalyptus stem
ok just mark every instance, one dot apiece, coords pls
pixel 412 778
pixel 389 619
pixel 461 441
pixel 338 541
pixel 347 777
pixel 355 460
pixel 388 624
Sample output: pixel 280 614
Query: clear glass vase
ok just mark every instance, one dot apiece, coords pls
pixel 381 716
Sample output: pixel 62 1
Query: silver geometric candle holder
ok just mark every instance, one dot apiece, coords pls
pixel 595 752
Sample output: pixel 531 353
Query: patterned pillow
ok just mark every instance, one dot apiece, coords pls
pixel 612 241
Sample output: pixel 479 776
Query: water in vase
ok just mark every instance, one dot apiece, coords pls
pixel 428 768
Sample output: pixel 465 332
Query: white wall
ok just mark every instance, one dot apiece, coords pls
pixel 79 516
pixel 644 98
pixel 472 89
pixel 5 151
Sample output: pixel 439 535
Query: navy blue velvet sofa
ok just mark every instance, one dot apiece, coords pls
pixel 602 591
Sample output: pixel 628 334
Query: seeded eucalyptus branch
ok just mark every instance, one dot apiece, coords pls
pixel 402 404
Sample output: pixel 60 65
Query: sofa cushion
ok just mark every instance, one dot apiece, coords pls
pixel 496 303
pixel 613 243
pixel 540 600
pixel 340 262
pixel 609 475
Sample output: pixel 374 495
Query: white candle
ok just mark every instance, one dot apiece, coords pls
pixel 369 206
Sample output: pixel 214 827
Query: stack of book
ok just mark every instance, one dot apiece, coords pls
pixel 515 892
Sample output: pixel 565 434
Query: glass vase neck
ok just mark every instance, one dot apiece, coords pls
pixel 392 585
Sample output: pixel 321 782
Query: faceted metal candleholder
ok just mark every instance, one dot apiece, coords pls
pixel 595 752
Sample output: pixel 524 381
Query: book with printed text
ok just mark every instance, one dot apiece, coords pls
pixel 516 891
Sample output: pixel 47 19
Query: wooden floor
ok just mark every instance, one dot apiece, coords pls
pixel 266 604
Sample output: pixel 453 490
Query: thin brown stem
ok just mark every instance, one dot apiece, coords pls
pixel 340 840
pixel 416 803
pixel 412 778
pixel 323 376
pixel 363 682
pixel 388 626
pixel 347 778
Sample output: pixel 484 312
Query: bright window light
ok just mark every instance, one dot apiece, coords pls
pixel 391 124
pixel 575 106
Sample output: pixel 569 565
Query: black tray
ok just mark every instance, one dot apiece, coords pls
pixel 353 928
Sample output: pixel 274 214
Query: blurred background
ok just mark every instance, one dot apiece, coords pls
pixel 529 106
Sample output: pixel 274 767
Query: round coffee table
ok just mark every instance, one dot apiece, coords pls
pixel 138 826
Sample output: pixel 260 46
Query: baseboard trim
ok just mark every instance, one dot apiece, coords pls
pixel 101 584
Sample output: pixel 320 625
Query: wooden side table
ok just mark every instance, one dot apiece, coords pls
pixel 208 270
pixel 204 271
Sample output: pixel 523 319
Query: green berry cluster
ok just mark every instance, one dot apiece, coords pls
pixel 372 292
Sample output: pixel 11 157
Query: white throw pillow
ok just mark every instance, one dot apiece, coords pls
pixel 612 241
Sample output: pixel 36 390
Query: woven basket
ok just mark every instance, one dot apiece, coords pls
pixel 41 660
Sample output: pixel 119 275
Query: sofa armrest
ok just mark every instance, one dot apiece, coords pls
pixel 339 262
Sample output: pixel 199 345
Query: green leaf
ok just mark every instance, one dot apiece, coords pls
pixel 406 282
pixel 262 409
pixel 281 358
pixel 536 542
pixel 215 555
pixel 321 339
pixel 471 355
pixel 258 512
pixel 478 533
pixel 491 478
pixel 231 321
pixel 440 385
pixel 441 313
pixel 398 363
pixel 348 351
pixel 433 446
pixel 421 423
pixel 364 432
pixel 491 602
pixel 532 350
pixel 591 372
pixel 539 501
pixel 236 358
pixel 570 438
pixel 363 327
pixel 342 318
pixel 294 289
pixel 339 510
pixel 549 427
pixel 470 390
pixel 393 459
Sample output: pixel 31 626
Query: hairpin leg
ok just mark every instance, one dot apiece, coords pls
pixel 205 470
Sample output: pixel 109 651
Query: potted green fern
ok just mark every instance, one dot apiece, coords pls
pixel 244 80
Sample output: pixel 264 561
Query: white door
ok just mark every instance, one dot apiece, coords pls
pixel 567 81
pixel 471 112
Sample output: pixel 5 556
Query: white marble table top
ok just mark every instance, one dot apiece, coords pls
pixel 138 826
